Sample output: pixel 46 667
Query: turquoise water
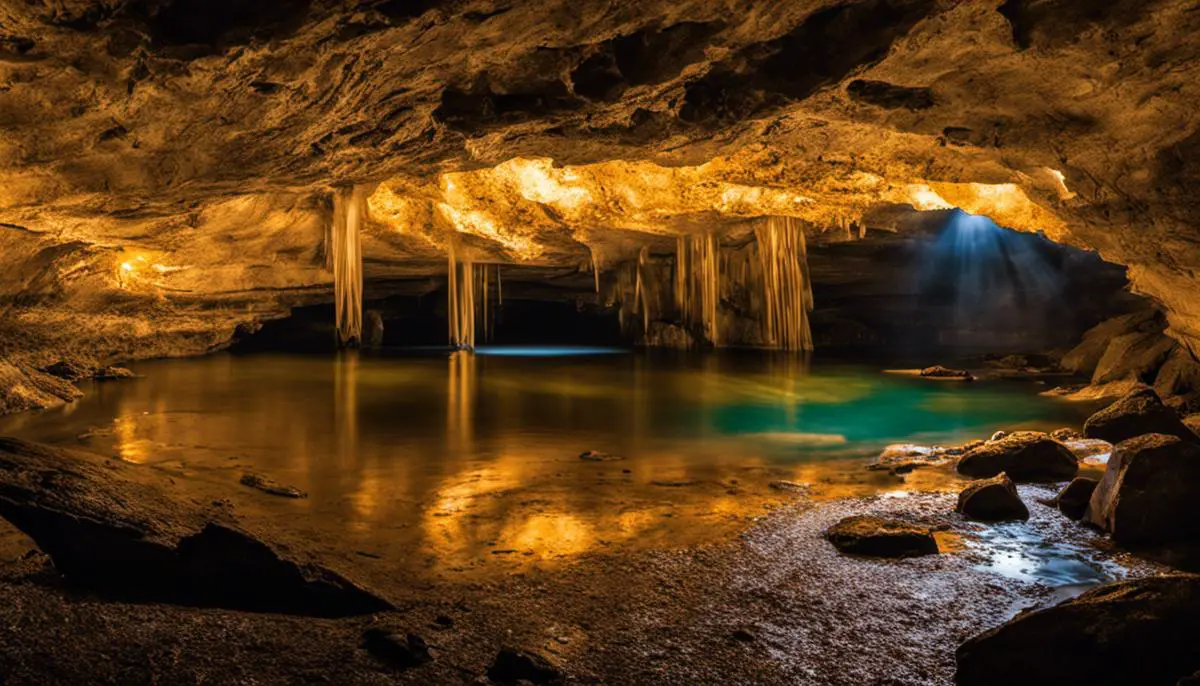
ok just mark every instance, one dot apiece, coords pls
pixel 451 454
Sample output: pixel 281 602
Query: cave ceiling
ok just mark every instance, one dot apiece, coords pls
pixel 166 165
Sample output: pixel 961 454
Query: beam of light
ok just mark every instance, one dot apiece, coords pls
pixel 995 279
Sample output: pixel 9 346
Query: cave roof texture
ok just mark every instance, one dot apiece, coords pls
pixel 166 166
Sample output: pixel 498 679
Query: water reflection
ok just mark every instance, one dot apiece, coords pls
pixel 464 462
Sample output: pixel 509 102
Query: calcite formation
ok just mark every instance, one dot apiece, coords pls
pixel 170 169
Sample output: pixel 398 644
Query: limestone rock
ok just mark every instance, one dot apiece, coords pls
pixel 1023 456
pixel 399 649
pixel 1179 375
pixel 1130 632
pixel 1084 358
pixel 992 500
pixel 1073 499
pixel 112 528
pixel 23 388
pixel 1138 413
pixel 901 458
pixel 1133 356
pixel 270 487
pixel 1149 492
pixel 940 372
pixel 513 665
pixel 878 537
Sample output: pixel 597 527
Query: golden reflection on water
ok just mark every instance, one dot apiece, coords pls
pixel 470 464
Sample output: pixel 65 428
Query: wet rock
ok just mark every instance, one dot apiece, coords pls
pixel 112 528
pixel 998 435
pixel 1073 499
pixel 902 458
pixel 1149 492
pixel 1085 449
pixel 514 665
pixel 791 486
pixel 23 388
pixel 597 456
pixel 1192 422
pixel 1131 632
pixel 270 487
pixel 992 500
pixel 1023 456
pixel 1065 434
pixel 69 370
pixel 112 373
pixel 878 537
pixel 940 372
pixel 1138 413
pixel 402 650
pixel 667 335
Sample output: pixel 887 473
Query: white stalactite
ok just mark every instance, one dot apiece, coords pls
pixel 349 209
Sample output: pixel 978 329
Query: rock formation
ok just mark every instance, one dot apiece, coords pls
pixel 169 169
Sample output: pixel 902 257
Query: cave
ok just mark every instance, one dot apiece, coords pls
pixel 836 342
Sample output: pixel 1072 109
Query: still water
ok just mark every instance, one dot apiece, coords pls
pixel 473 459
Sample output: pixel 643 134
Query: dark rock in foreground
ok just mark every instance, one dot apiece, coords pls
pixel 1131 632
pixel 111 528
pixel 878 537
pixel 514 665
pixel 1149 493
pixel 992 500
pixel 1138 413
pixel 1073 499
pixel 402 650
pixel 1024 456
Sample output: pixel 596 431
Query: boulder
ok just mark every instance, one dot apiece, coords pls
pixel 1137 355
pixel 23 388
pixel 1138 413
pixel 1073 499
pixel 113 373
pixel 1065 434
pixel 1023 456
pixel 399 649
pixel 111 527
pixel 1179 375
pixel 1130 632
pixel 878 537
pixel 1150 493
pixel 513 665
pixel 598 456
pixel 992 500
pixel 1085 357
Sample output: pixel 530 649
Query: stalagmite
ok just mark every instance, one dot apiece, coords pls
pixel 786 287
pixel 346 257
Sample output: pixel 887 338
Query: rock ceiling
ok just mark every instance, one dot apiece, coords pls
pixel 166 165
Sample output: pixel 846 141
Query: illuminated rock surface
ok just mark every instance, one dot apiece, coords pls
pixel 168 171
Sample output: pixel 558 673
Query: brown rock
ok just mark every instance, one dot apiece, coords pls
pixel 992 500
pixel 1023 456
pixel 514 665
pixel 1084 358
pixel 1073 499
pixel 113 529
pixel 1138 413
pixel 878 537
pixel 1149 492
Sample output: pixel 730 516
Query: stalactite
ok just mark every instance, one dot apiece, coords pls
pixel 349 207
pixel 460 303
pixel 706 257
pixel 641 297
pixel 595 272
pixel 786 287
